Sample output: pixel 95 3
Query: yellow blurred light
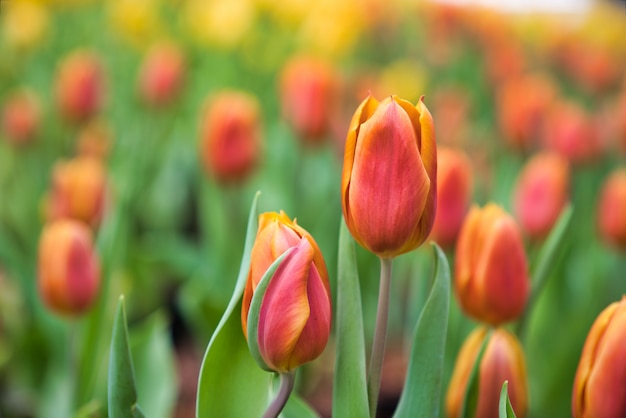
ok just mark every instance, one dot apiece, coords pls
pixel 24 23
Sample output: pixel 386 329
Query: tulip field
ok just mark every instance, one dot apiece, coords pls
pixel 252 208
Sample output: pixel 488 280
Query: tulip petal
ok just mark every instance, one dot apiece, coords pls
pixel 388 160
pixel 285 308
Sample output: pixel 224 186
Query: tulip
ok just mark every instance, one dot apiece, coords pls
pixel 69 272
pixel 309 90
pixel 611 214
pixel 454 192
pixel 295 313
pixel 389 180
pixel 541 193
pixel 24 24
pixel 161 74
pixel 491 272
pixel 600 381
pixel 503 360
pixel 94 140
pixel 79 189
pixel 20 117
pixel 231 139
pixel 80 86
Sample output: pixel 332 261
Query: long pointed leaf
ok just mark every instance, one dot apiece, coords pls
pixel 122 391
pixel 505 408
pixel 349 385
pixel 422 388
pixel 230 383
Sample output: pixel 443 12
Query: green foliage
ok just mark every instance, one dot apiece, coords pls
pixel 505 410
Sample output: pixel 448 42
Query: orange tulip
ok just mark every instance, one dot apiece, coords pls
pixel 600 381
pixel 454 192
pixel 503 360
pixel 69 272
pixel 161 74
pixel 20 117
pixel 541 193
pixel 491 271
pixel 79 189
pixel 295 314
pixel 231 136
pixel 389 180
pixel 80 86
pixel 612 209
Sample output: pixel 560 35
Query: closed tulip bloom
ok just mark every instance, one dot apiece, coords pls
pixel 454 192
pixel 491 271
pixel 389 180
pixel 80 86
pixel 79 190
pixel 161 74
pixel 231 136
pixel 68 269
pixel 295 314
pixel 20 117
pixel 503 360
pixel 541 193
pixel 611 213
pixel 600 382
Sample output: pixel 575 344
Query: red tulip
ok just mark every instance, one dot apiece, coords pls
pixel 612 209
pixel 20 117
pixel 161 74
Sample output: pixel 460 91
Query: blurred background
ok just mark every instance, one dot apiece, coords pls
pixel 154 122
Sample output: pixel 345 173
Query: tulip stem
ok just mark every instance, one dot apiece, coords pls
pixel 380 335
pixel 287 381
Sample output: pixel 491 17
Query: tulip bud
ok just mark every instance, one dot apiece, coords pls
pixel 309 90
pixel 389 180
pixel 94 140
pixel 503 360
pixel 231 139
pixel 80 86
pixel 69 272
pixel 20 117
pixel 541 193
pixel 491 271
pixel 454 192
pixel 161 74
pixel 612 209
pixel 601 376
pixel 78 190
pixel 295 313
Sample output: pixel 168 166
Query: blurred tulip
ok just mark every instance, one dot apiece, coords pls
pixel 611 214
pixel 454 193
pixel 80 86
pixel 503 360
pixel 231 136
pixel 69 271
pixel 451 113
pixel 522 104
pixel 136 21
pixel 571 132
pixel 601 376
pixel 491 272
pixel 541 193
pixel 21 117
pixel 389 180
pixel 95 140
pixel 161 74
pixel 295 314
pixel 24 23
pixel 309 89
pixel 220 23
pixel 79 189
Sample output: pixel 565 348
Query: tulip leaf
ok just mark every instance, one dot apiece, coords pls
pixel 230 383
pixel 349 384
pixel 470 399
pixel 255 310
pixel 122 396
pixel 505 407
pixel 296 407
pixel 422 389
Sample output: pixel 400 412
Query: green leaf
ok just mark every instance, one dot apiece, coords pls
pixel 349 384
pixel 505 407
pixel 231 384
pixel 122 390
pixel 470 400
pixel 422 388
pixel 255 310
pixel 297 408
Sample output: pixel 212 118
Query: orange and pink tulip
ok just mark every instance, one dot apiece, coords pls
pixel 389 179
pixel 611 215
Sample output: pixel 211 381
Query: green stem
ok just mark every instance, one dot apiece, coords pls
pixel 287 381
pixel 380 335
